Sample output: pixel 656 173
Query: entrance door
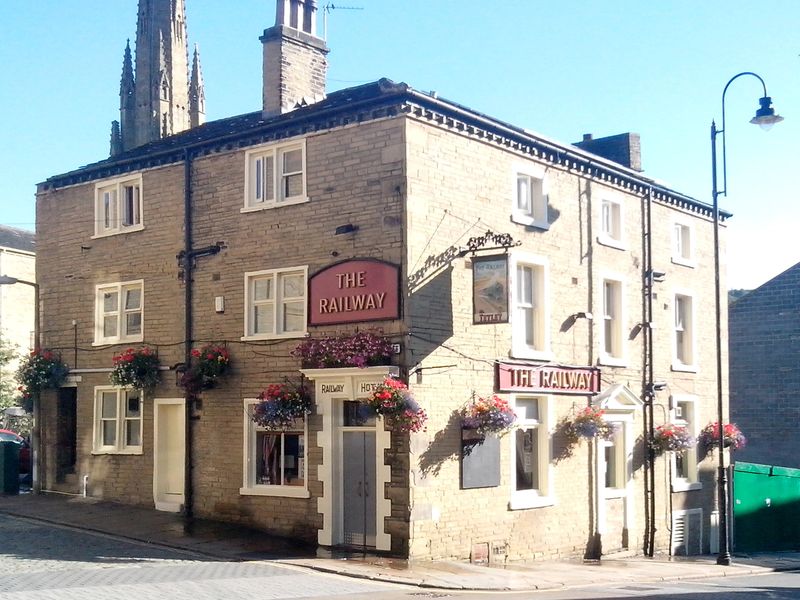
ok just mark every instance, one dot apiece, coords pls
pixel 66 433
pixel 358 492
pixel 169 451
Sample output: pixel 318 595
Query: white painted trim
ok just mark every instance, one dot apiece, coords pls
pixel 682 484
pixel 677 365
pixel 274 149
pixel 157 403
pixel 524 499
pixel 98 216
pixel 603 357
pixel 535 171
pixel 99 340
pixel 330 470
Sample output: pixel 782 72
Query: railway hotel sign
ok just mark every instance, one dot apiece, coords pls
pixel 512 377
pixel 354 291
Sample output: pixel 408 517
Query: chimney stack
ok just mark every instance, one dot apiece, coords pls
pixel 295 64
pixel 625 148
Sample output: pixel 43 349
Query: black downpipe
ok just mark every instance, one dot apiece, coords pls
pixel 188 503
pixel 649 390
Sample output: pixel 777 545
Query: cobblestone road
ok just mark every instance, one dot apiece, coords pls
pixel 42 562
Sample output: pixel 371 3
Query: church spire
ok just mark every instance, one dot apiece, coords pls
pixel 122 133
pixel 156 101
pixel 197 94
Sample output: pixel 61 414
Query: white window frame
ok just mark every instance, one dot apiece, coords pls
pixel 618 355
pixel 621 442
pixel 119 447
pixel 122 337
pixel 278 303
pixel 543 496
pixel 254 177
pixel 534 212
pixel 687 326
pixel 611 222
pixel 541 307
pixel 249 485
pixel 682 238
pixel 690 456
pixel 109 205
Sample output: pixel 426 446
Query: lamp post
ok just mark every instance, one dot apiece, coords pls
pixel 6 280
pixel 765 118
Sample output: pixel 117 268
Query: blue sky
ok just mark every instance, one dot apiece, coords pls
pixel 562 69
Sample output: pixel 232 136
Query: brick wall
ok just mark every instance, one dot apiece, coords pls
pixel 764 330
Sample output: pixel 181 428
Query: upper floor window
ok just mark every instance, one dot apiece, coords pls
pixel 275 176
pixel 530 197
pixel 276 303
pixel 684 332
pixel 118 206
pixel 119 309
pixel 530 307
pixel 613 349
pixel 682 249
pixel 117 421
pixel 685 474
pixel 274 460
pixel 531 469
pixel 611 225
pixel 614 461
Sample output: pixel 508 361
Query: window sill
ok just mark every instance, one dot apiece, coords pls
pixel 684 262
pixel 280 491
pixel 135 452
pixel 686 486
pixel 523 501
pixel 612 361
pixel 111 342
pixel 280 336
pixel 682 368
pixel 105 234
pixel 611 493
pixel 270 205
pixel 531 354
pixel 528 221
pixel 611 242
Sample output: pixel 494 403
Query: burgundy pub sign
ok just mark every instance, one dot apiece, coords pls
pixel 513 377
pixel 353 291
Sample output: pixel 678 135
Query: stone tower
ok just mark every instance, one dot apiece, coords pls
pixel 295 64
pixel 158 99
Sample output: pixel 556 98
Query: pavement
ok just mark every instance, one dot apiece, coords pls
pixel 225 541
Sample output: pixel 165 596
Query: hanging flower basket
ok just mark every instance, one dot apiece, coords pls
pixel 732 437
pixel 281 405
pixel 671 438
pixel 362 349
pixel 136 369
pixel 212 362
pixel 589 424
pixel 488 415
pixel 40 370
pixel 392 400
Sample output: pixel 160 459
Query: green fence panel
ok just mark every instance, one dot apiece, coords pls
pixel 766 508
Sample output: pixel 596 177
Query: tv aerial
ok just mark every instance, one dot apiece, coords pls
pixel 327 9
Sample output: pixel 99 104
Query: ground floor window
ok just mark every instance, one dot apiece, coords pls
pixel 531 453
pixel 117 421
pixel 274 460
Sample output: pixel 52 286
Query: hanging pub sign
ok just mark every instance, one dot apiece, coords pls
pixel 514 377
pixel 353 291
pixel 490 289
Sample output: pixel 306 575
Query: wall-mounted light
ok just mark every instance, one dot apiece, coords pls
pixel 658 276
pixel 657 386
pixel 343 229
pixel 583 315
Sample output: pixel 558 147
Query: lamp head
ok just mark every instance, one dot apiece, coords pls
pixel 7 280
pixel 765 115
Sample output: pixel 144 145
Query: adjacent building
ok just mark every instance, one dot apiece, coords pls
pixel 540 271
pixel 17 302
pixel 764 334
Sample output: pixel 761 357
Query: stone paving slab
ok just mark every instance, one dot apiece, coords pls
pixel 237 543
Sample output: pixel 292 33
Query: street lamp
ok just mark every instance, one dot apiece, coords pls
pixel 765 118
pixel 6 280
